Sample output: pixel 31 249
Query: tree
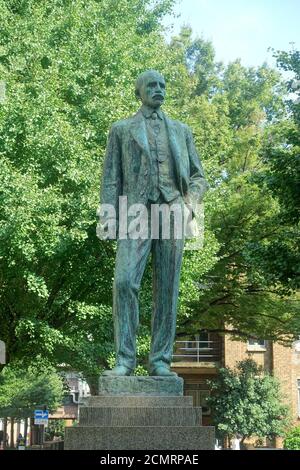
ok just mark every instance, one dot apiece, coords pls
pixel 246 402
pixel 199 58
pixel 69 69
pixel 282 149
pixel 55 428
pixel 250 290
pixel 23 390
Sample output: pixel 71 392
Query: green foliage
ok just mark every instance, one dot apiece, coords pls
pixel 254 94
pixel 282 149
pixel 250 287
pixel 248 403
pixel 55 428
pixel 292 439
pixel 23 390
pixel 69 69
pixel 281 174
pixel 290 61
pixel 199 59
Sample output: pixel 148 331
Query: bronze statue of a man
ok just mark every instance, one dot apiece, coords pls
pixel 150 159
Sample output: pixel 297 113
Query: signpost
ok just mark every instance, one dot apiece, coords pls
pixel 41 417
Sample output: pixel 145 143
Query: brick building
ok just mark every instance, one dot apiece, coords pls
pixel 198 359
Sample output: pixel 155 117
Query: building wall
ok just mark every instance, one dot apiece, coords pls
pixel 235 351
pixel 286 367
pixel 281 361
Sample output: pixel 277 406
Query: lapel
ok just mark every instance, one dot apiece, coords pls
pixel 139 133
pixel 174 146
pixel 173 141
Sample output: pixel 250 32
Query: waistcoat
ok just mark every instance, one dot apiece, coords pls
pixel 162 177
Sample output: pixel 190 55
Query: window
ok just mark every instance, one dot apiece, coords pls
pixel 203 339
pixel 256 345
pixel 257 342
pixel 200 341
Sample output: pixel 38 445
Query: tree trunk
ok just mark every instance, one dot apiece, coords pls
pixel 4 433
pixel 31 431
pixel 12 433
pixel 18 428
pixel 25 430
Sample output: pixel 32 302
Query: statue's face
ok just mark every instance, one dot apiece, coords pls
pixel 153 90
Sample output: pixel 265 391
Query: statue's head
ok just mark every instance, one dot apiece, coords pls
pixel 150 87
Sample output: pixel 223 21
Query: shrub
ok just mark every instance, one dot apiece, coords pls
pixel 292 439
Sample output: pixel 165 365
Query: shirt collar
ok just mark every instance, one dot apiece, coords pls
pixel 147 111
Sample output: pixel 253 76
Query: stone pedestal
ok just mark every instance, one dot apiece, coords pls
pixel 139 413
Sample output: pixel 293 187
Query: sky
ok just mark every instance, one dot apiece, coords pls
pixel 242 29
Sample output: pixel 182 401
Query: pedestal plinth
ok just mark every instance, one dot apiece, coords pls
pixel 133 413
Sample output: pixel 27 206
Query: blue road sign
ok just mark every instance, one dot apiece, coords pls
pixel 41 417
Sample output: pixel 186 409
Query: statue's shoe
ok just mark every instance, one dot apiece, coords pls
pixel 163 372
pixel 117 371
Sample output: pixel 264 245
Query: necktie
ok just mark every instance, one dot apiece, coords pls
pixel 154 121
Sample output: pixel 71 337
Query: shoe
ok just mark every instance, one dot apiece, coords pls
pixel 163 371
pixel 118 371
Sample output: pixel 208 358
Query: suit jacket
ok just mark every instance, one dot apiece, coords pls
pixel 127 163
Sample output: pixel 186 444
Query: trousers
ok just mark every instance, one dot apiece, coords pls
pixel 131 260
